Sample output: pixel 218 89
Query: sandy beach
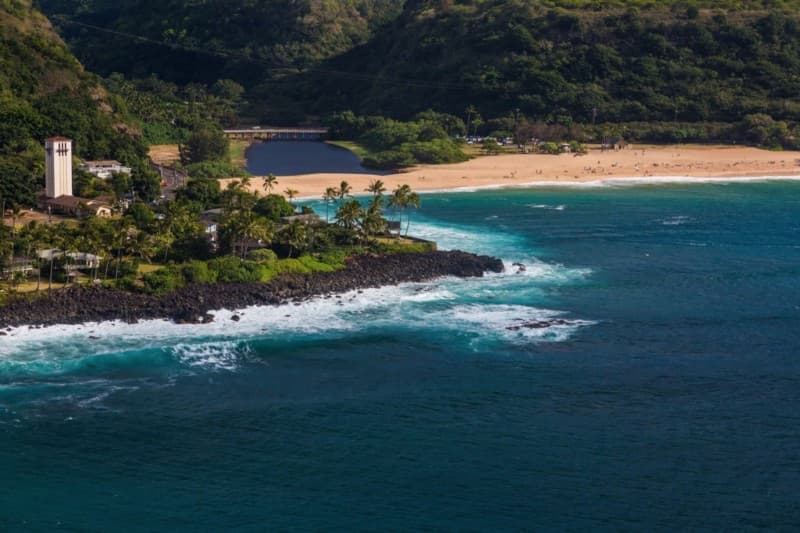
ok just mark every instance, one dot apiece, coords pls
pixel 516 170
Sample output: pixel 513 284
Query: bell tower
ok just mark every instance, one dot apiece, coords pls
pixel 58 159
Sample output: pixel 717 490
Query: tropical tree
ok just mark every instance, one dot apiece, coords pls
pixel 39 235
pixel 471 110
pixel 291 194
pixel 402 200
pixel 376 187
pixel 330 194
pixel 270 181
pixel 344 190
pixel 372 221
pixel 295 236
pixel 257 229
pixel 348 214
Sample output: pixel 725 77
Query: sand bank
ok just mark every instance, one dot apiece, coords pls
pixel 515 170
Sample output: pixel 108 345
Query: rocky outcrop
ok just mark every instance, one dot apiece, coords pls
pixel 193 303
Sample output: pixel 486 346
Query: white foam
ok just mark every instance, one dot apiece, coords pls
pixel 543 273
pixel 676 220
pixel 548 207
pixel 516 323
pixel 218 345
pixel 210 355
pixel 475 239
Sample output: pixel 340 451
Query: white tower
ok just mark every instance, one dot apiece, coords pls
pixel 58 158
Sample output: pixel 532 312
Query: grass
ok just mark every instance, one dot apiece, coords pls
pixel 354 147
pixel 236 152
pixel 401 245
pixel 146 269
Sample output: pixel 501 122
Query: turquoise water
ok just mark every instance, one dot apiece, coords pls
pixel 666 398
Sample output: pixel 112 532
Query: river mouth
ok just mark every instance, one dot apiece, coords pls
pixel 291 158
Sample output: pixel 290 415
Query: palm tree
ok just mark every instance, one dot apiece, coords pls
pixel 295 236
pixel 39 234
pixel 56 237
pixel 402 199
pixel 396 203
pixel 372 222
pixel 122 234
pixel 348 214
pixel 291 194
pixel 255 228
pixel 344 190
pixel 471 110
pixel 411 201
pixel 244 184
pixel 270 181
pixel 330 194
pixel 376 187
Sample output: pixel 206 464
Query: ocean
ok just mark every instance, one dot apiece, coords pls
pixel 659 390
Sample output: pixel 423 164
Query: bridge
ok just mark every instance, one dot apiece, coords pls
pixel 264 133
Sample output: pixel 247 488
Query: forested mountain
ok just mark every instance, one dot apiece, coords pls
pixel 661 64
pixel 44 91
pixel 706 62
pixel 202 41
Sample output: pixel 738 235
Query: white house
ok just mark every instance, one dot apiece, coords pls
pixel 105 168
pixel 80 260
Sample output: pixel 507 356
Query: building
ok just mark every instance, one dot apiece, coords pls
pixel 77 206
pixel 105 169
pixel 78 260
pixel 58 166
pixel 309 218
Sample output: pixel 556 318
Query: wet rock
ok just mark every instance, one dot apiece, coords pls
pixel 191 304
pixel 539 324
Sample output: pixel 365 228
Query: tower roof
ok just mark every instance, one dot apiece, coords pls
pixel 58 139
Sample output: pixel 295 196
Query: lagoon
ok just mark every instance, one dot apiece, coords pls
pixel 291 158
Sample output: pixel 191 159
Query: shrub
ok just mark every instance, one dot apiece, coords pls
pixel 549 148
pixel 436 152
pixel 389 159
pixel 212 170
pixel 263 255
pixel 198 272
pixel 233 269
pixel 404 247
pixel 163 280
pixel 273 207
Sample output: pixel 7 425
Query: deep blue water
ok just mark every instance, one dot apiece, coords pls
pixel 668 400
pixel 290 158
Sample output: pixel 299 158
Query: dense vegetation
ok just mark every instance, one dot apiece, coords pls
pixel 567 66
pixel 200 42
pixel 158 248
pixel 429 138
pixel 674 70
pixel 44 92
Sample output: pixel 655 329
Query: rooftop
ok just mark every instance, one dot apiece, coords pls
pixel 103 163
pixel 74 201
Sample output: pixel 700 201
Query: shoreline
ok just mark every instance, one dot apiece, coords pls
pixel 192 304
pixel 638 165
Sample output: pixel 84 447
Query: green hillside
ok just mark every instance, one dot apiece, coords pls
pixel 202 41
pixel 44 91
pixel 669 70
pixel 614 65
